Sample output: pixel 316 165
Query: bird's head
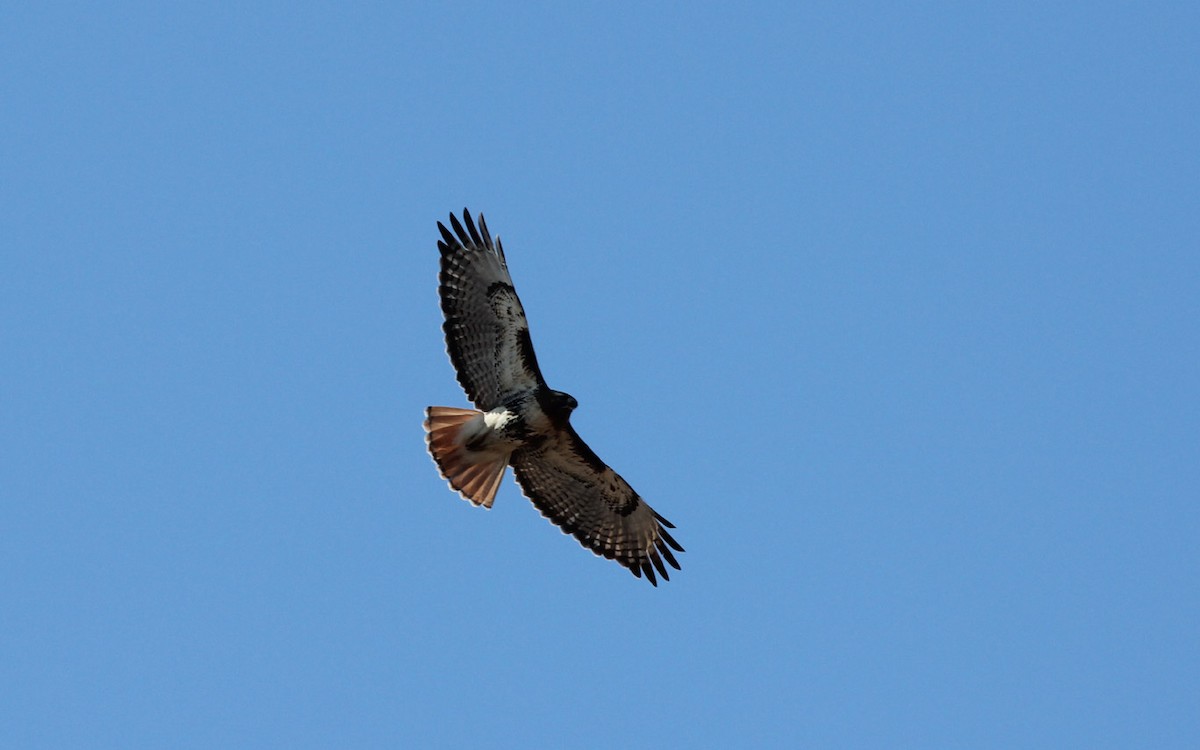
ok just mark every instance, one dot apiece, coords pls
pixel 561 405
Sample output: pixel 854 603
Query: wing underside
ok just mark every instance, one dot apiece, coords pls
pixel 487 335
pixel 587 499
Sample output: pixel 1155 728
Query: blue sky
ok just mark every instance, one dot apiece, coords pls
pixel 890 308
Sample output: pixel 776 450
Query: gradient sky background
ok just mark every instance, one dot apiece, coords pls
pixel 891 308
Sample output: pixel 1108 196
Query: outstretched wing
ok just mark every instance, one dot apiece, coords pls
pixel 487 336
pixel 572 487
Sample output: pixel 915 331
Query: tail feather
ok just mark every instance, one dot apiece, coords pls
pixel 474 475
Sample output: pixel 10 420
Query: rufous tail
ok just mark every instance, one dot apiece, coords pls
pixel 473 474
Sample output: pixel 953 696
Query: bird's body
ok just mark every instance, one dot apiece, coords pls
pixel 522 422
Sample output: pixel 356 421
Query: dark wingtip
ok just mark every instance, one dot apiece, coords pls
pixel 662 520
pixel 670 540
pixel 450 240
pixel 471 228
pixel 649 571
pixel 487 236
pixel 458 228
pixel 666 553
pixel 662 570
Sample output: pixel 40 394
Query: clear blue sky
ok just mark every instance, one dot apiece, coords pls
pixel 892 308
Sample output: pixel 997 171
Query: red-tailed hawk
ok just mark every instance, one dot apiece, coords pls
pixel 521 421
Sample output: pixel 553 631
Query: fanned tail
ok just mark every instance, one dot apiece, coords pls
pixel 474 475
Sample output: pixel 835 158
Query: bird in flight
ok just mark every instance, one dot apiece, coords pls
pixel 520 421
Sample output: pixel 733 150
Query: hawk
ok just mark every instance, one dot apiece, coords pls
pixel 520 421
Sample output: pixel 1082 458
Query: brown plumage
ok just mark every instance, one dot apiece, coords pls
pixel 477 481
